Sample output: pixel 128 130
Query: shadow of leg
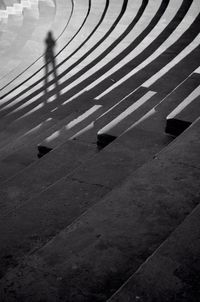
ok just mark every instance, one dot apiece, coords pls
pixel 56 79
pixel 46 80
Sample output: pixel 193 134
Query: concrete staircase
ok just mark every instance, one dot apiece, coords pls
pixel 112 237
pixel 172 272
pixel 113 199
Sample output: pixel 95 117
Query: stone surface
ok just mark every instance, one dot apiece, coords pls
pixel 80 240
pixel 42 174
pixel 91 258
pixel 172 272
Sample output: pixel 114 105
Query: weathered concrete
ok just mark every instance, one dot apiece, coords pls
pixel 183 116
pixel 91 258
pixel 22 152
pixel 102 172
pixel 94 255
pixel 172 272
pixel 122 157
pixel 42 174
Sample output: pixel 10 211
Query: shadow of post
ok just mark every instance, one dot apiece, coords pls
pixel 50 66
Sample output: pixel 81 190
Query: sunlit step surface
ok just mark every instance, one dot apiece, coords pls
pixel 36 22
pixel 3 14
pixel 36 115
pixel 161 26
pixel 17 8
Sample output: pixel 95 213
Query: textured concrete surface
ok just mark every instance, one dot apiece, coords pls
pixel 42 174
pixel 102 172
pixel 122 157
pixel 91 258
pixel 172 272
pixel 83 236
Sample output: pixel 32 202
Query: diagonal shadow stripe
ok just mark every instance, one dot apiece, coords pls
pixel 64 29
pixel 174 25
pixel 81 59
pixel 85 19
pixel 133 23
pixel 113 62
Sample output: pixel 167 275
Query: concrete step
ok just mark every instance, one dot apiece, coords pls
pixel 172 272
pixel 125 119
pixel 49 130
pixel 142 105
pixel 20 122
pixel 2 5
pixel 154 118
pixel 126 112
pixel 43 173
pixel 23 151
pixel 9 2
pixel 3 14
pixel 64 86
pixel 54 128
pixel 10 10
pixel 35 223
pixel 67 131
pixel 123 71
pixel 79 12
pixel 56 24
pixel 36 22
pixel 184 114
pixel 20 76
pixel 99 251
pixel 119 107
pixel 74 194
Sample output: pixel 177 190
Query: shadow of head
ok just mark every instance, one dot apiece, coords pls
pixel 50 43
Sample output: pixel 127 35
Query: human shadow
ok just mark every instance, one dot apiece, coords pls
pixel 50 66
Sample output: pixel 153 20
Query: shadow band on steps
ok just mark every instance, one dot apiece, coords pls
pixel 175 127
pixel 104 139
pixel 42 150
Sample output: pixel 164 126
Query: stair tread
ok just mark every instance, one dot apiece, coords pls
pixel 99 174
pixel 42 173
pixel 172 272
pixel 117 234
pixel 78 223
pixel 22 152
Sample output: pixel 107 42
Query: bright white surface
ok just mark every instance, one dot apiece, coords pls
pixel 184 25
pixel 188 49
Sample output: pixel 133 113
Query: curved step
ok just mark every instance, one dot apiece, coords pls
pixel 171 272
pixel 114 237
pixel 47 15
pixel 119 132
pixel 34 19
pixel 43 173
pixel 184 114
pixel 67 35
pixel 7 120
pixel 101 247
pixel 65 51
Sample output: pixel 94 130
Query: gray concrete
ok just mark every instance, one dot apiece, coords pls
pixel 172 272
pixel 42 174
pixel 86 233
pixel 96 254
pixel 19 153
pixel 97 176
